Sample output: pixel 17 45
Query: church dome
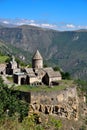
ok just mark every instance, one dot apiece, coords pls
pixel 37 56
pixel 37 60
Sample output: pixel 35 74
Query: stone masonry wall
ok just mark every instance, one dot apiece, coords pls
pixel 62 103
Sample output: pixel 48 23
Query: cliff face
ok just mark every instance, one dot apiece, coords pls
pixel 63 104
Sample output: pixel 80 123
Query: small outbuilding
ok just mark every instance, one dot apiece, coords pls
pixel 19 78
pixel 51 78
pixel 31 78
pixel 12 67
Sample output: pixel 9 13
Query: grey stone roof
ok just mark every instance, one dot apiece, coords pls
pixel 30 72
pixel 47 69
pixel 37 56
pixel 31 75
pixel 52 74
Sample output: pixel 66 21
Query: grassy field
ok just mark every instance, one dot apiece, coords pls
pixel 3 59
pixel 62 85
pixel 10 78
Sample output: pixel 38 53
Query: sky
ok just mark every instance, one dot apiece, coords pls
pixel 55 14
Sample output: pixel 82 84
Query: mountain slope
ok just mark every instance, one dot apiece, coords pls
pixel 66 49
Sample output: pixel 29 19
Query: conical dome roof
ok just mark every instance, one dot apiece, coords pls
pixel 37 56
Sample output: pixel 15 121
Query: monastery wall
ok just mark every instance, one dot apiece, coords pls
pixel 62 103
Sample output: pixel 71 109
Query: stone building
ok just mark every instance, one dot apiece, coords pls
pixel 12 67
pixel 31 76
pixel 37 60
pixel 19 78
pixel 2 68
pixel 51 77
pixel 37 74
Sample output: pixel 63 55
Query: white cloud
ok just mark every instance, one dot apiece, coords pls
pixel 43 25
pixel 5 22
pixel 70 26
pixel 20 23
pixel 34 24
pixel 32 21
pixel 82 27
pixel 49 25
pixel 59 26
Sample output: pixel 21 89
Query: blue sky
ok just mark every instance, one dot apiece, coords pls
pixel 56 14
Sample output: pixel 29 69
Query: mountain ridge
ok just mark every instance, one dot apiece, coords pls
pixel 66 49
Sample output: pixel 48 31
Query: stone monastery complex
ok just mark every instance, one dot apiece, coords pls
pixel 61 103
pixel 37 75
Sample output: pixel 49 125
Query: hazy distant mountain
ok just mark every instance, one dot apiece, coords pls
pixel 66 49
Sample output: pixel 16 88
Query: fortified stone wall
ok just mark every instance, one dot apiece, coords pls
pixel 62 103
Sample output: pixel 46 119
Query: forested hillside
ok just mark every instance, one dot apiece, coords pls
pixel 66 49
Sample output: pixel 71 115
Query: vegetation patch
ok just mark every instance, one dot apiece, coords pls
pixel 10 78
pixel 62 85
pixel 82 87
pixel 39 88
pixel 3 58
pixel 10 104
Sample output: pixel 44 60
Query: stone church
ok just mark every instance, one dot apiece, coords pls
pixel 12 67
pixel 37 75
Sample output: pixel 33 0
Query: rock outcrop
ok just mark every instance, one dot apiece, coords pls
pixel 63 104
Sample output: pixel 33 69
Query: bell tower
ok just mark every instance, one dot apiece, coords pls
pixel 37 60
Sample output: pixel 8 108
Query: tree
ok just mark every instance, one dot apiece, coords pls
pixel 8 60
pixel 83 127
pixel 66 75
pixel 10 101
pixel 56 68
pixel 45 65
